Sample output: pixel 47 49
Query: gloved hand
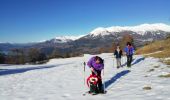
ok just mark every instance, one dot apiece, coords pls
pixel 92 69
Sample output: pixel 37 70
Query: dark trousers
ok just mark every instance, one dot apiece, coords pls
pixel 129 60
pixel 100 86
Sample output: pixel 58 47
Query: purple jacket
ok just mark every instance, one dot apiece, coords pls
pixel 92 63
pixel 129 50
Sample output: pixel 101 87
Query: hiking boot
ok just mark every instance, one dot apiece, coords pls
pixel 102 92
pixel 129 66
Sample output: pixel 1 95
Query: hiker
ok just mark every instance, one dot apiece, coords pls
pixel 129 51
pixel 118 54
pixel 96 65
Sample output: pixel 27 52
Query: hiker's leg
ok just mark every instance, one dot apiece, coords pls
pixel 120 62
pixel 128 60
pixel 100 85
pixel 117 61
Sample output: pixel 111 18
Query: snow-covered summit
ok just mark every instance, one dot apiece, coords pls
pixel 64 39
pixel 140 29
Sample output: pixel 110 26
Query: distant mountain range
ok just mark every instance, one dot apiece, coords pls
pixel 64 39
pixel 98 38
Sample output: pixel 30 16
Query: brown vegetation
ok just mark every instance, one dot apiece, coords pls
pixel 165 76
pixel 163 46
pixel 147 88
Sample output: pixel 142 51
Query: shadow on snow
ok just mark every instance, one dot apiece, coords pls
pixel 22 70
pixel 138 60
pixel 122 73
pixel 114 78
pixel 134 61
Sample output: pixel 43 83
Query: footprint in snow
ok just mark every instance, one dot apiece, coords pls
pixel 66 95
pixel 159 97
pixel 151 94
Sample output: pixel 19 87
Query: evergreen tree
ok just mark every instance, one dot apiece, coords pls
pixel 35 55
pixel 2 58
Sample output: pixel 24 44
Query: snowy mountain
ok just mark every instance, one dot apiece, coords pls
pixel 100 38
pixel 142 34
pixel 64 39
pixel 140 29
pixel 63 79
pixel 143 30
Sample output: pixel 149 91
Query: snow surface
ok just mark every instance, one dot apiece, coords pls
pixel 64 39
pixel 63 79
pixel 140 29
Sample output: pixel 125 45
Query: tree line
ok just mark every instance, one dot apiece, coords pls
pixel 30 56
pixel 22 56
pixel 36 56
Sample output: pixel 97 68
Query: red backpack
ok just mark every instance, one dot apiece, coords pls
pixel 92 79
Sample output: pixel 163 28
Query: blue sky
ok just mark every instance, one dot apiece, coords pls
pixel 24 21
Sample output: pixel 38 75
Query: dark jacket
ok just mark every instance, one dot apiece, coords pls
pixel 118 54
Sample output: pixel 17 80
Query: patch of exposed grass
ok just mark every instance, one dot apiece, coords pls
pixel 151 70
pixel 164 54
pixel 147 88
pixel 154 47
pixel 167 62
pixel 165 76
pixel 146 76
pixel 156 66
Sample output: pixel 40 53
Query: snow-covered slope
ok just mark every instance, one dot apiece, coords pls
pixel 63 79
pixel 101 31
pixel 140 29
pixel 64 39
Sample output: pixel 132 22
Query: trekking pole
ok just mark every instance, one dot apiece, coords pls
pixel 84 72
pixel 103 82
pixel 113 61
